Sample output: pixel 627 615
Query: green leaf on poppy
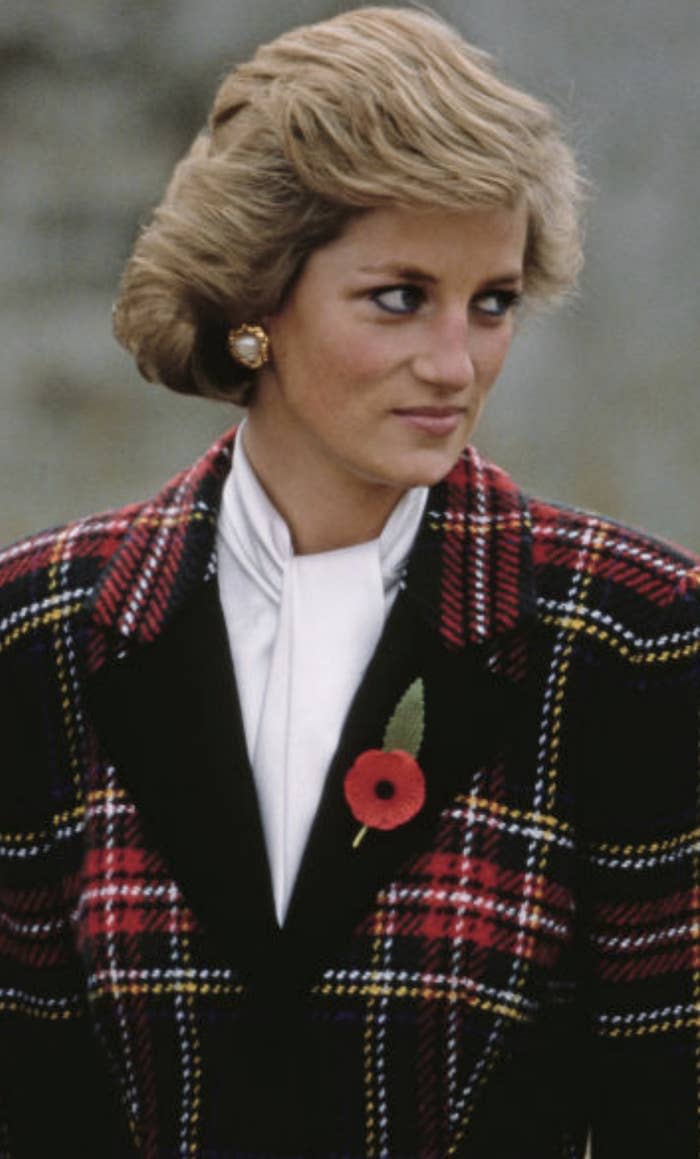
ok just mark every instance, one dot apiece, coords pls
pixel 407 723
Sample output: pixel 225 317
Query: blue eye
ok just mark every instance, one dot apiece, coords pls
pixel 404 299
pixel 497 303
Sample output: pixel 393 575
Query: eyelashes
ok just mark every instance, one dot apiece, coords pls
pixel 402 299
pixel 497 303
pixel 407 298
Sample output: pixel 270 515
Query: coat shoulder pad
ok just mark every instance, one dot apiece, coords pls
pixel 50 577
pixel 618 584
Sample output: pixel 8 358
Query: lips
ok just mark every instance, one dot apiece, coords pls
pixel 431 420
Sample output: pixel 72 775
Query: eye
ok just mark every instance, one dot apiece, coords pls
pixel 403 299
pixel 497 303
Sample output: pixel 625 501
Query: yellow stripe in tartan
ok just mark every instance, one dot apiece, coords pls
pixel 95 797
pixel 59 819
pixel 635 656
pixel 16 1006
pixel 485 527
pixel 186 516
pixel 662 1027
pixel 49 618
pixel 167 989
pixel 112 793
pixel 374 990
pixel 647 847
pixel 532 817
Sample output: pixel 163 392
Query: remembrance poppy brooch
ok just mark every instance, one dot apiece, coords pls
pixel 385 787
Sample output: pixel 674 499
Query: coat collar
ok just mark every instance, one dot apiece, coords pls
pixel 166 707
pixel 470 570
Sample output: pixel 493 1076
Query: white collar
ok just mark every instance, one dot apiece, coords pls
pixel 259 537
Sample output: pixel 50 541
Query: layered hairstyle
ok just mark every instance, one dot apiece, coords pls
pixel 376 107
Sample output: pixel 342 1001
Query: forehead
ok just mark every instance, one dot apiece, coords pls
pixel 432 241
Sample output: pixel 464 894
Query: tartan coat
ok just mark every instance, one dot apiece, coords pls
pixel 513 968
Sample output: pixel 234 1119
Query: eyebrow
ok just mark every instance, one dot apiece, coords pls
pixel 415 274
pixel 407 273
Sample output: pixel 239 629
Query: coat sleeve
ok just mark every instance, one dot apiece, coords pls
pixel 636 744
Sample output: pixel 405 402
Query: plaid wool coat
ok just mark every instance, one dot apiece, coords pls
pixel 513 968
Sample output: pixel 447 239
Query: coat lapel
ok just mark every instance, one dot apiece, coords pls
pixel 465 709
pixel 169 717
pixel 166 707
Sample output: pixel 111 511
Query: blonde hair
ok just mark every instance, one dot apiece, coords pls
pixel 376 107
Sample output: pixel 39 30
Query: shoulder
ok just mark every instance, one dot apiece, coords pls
pixel 50 577
pixel 507 556
pixel 632 591
pixel 146 552
pixel 47 585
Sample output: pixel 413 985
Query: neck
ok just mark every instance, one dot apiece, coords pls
pixel 323 514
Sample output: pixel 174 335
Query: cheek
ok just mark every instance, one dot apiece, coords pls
pixel 493 356
pixel 353 363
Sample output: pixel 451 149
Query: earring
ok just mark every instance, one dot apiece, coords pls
pixel 249 345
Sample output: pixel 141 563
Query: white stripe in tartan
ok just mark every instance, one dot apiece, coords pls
pixel 537 845
pixel 29 929
pixel 123 891
pixel 102 526
pixel 649 861
pixel 547 759
pixel 661 1018
pixel 462 899
pixel 39 608
pixel 479 548
pixel 459 1115
pixel 620 546
pixel 201 974
pixel 352 981
pixel 623 942
pixel 111 848
pixel 89 527
pixel 111 807
pixel 39 849
pixel 381 1044
pixel 67 1002
pixel 468 518
pixel 648 643
pixel 149 565
pixel 513 828
pixel 67 672
pixel 186 1032
pixel 469 831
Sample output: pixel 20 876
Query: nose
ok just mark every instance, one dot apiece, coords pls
pixel 446 360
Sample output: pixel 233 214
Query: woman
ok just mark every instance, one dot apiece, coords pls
pixel 421 878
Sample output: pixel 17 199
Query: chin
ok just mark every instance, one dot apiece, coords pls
pixel 424 472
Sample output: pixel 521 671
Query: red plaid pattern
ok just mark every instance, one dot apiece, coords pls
pixel 526 970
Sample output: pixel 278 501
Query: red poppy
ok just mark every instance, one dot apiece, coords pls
pixel 384 789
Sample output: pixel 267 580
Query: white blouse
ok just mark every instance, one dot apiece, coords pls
pixel 302 630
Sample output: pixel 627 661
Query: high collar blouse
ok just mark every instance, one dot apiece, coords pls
pixel 302 629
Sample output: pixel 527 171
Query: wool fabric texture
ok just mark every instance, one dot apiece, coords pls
pixel 513 969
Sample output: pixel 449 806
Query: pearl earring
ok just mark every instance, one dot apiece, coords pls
pixel 249 345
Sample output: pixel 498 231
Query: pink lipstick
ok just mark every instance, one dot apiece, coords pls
pixel 431 420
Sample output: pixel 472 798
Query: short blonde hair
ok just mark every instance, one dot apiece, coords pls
pixel 376 107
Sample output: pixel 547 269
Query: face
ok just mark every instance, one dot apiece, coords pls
pixel 387 347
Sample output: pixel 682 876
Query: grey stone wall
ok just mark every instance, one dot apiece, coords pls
pixel 99 97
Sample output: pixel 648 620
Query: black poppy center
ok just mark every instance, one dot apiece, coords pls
pixel 384 790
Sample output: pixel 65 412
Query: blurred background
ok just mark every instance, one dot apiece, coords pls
pixel 100 97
